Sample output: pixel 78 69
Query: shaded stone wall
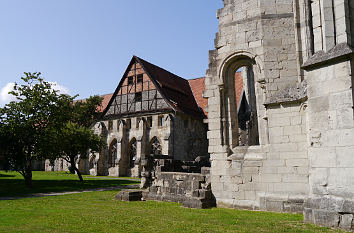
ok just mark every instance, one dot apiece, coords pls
pixel 190 138
pixel 180 137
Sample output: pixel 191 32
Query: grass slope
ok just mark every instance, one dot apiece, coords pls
pixel 99 212
pixel 12 183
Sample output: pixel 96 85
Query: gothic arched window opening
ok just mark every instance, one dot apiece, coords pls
pixel 246 107
pixel 155 147
pixel 132 152
pixel 112 154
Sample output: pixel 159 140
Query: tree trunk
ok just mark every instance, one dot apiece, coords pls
pixel 73 165
pixel 28 172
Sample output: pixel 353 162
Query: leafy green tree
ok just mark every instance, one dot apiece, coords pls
pixel 76 137
pixel 26 122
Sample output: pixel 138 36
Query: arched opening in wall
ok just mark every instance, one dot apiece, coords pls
pixel 132 152
pixel 239 118
pixel 155 146
pixel 92 161
pixel 246 105
pixel 112 153
pixel 101 129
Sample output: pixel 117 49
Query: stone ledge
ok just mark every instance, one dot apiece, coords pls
pixel 259 17
pixel 282 202
pixel 291 94
pixel 187 201
pixel 338 52
pixel 249 153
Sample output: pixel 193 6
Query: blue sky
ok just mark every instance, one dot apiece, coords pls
pixel 85 45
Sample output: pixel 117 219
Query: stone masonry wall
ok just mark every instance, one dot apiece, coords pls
pixel 301 53
pixel 190 189
pixel 331 146
pixel 180 136
pixel 273 175
pixel 190 138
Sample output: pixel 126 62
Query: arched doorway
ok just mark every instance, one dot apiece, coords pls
pixel 239 102
pixel 132 152
pixel 112 154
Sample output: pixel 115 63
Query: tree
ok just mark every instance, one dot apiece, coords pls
pixel 26 122
pixel 77 137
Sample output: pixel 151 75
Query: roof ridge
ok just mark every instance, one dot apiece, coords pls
pixel 195 78
pixel 160 68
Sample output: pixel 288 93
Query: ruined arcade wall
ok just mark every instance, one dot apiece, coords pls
pixel 274 174
pixel 180 136
pixel 301 53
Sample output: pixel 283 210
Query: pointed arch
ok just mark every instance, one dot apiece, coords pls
pixel 155 147
pixel 112 153
pixel 132 152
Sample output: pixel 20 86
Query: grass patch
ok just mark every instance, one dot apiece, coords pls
pixel 12 183
pixel 98 212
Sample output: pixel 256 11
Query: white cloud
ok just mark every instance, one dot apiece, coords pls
pixel 5 97
pixel 62 90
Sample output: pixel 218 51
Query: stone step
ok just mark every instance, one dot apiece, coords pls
pixel 129 195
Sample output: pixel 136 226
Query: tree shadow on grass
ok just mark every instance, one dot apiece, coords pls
pixel 16 187
pixel 5 175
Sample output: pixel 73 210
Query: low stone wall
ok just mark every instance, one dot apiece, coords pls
pixel 191 189
pixel 330 211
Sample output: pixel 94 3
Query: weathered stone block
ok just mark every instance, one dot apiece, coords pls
pixel 326 218
pixel 129 195
pixel 346 221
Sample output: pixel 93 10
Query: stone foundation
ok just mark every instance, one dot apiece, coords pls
pixel 330 211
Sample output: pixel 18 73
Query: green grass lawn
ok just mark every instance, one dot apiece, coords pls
pixel 12 183
pixel 99 212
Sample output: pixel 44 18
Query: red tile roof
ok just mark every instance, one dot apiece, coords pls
pixel 105 101
pixel 186 95
pixel 174 88
pixel 238 87
pixel 198 86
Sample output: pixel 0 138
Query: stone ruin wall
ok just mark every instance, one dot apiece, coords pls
pixel 303 79
pixel 274 174
pixel 180 136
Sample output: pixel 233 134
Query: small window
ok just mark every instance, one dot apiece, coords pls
pixel 138 97
pixel 118 124
pixel 137 122
pixel 186 123
pixel 149 122
pixel 139 78
pixel 129 123
pixel 130 80
pixel 110 125
pixel 161 119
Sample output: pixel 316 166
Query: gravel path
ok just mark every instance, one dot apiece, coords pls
pixel 72 192
pixel 112 178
